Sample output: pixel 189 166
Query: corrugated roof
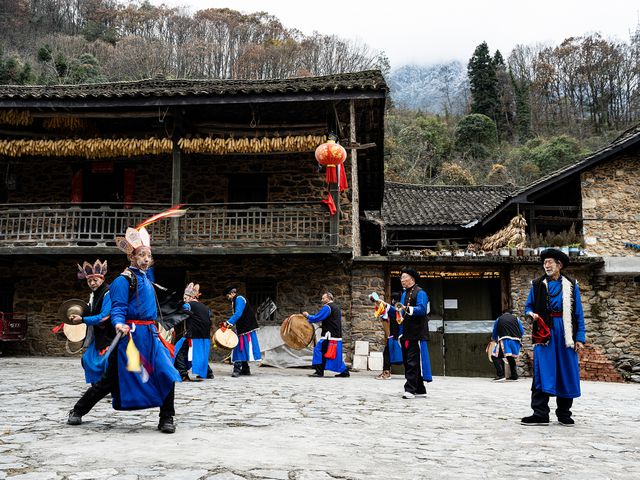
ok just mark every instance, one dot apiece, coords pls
pixel 359 81
pixel 448 205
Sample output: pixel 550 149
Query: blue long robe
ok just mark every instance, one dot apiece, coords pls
pixel 335 364
pixel 555 366
pixel 94 364
pixel 248 348
pixel 150 387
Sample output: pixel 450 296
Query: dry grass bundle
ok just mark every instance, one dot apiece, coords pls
pixel 513 234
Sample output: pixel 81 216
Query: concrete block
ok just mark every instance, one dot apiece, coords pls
pixel 362 348
pixel 375 354
pixel 375 363
pixel 360 362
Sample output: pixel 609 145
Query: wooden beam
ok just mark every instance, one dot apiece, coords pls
pixel 130 114
pixel 355 195
pixel 176 180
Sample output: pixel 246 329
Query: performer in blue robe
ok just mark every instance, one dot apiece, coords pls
pixel 194 353
pixel 558 334
pixel 507 334
pixel 415 334
pixel 100 332
pixel 327 354
pixel 140 372
pixel 244 318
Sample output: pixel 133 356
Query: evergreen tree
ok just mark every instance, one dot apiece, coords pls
pixel 505 108
pixel 483 82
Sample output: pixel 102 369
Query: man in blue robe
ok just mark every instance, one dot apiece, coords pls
pixel 100 332
pixel 558 334
pixel 412 311
pixel 194 352
pixel 507 334
pixel 140 373
pixel 327 353
pixel 244 318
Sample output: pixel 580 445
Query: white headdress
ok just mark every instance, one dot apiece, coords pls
pixel 192 290
pixel 137 237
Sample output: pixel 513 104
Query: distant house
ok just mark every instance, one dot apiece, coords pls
pixel 599 197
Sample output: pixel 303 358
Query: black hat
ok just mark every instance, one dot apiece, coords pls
pixel 412 272
pixel 228 290
pixel 555 254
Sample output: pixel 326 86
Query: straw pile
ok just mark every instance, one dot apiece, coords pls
pixel 513 235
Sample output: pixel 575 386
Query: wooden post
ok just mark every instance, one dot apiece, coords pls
pixel 334 221
pixel 176 192
pixel 356 247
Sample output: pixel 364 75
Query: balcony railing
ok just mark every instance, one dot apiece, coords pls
pixel 204 226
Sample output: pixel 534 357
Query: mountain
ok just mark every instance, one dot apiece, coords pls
pixel 436 89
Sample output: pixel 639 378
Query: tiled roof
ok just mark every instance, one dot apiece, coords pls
pixel 358 81
pixel 429 205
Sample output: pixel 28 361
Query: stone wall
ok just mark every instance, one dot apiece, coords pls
pixel 611 206
pixel 364 280
pixel 300 281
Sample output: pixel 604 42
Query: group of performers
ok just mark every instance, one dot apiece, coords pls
pixel 127 358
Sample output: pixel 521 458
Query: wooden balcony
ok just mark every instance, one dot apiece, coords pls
pixel 205 229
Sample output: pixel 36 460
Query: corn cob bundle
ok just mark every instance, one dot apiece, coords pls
pixel 64 123
pixel 88 148
pixel 130 147
pixel 513 234
pixel 221 146
pixel 15 117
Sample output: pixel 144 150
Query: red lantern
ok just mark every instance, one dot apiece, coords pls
pixel 332 155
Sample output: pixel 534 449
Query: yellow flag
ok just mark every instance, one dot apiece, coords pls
pixel 133 356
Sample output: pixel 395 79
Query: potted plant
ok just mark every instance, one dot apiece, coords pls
pixel 574 249
pixel 504 252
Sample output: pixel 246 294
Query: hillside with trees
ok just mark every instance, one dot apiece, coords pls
pixel 499 120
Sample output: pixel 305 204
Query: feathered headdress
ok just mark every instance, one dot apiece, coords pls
pixel 192 290
pixel 98 269
pixel 139 237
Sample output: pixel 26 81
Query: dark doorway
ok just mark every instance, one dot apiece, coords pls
pixel 248 188
pixel 103 183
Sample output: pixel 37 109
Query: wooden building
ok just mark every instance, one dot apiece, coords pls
pixel 81 163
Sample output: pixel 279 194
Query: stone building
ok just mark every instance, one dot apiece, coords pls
pixel 599 197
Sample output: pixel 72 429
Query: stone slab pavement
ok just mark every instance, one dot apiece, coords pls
pixel 281 424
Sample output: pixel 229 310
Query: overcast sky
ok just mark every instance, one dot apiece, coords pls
pixel 424 32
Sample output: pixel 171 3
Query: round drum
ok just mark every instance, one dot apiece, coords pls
pixel 226 338
pixel 296 331
pixel 75 333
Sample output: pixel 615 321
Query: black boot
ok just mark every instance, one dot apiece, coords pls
pixel 237 369
pixel 74 418
pixel 166 425
pixel 245 369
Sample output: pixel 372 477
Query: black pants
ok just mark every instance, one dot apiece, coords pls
pixel 182 361
pixel 386 357
pixel 320 366
pixel 540 405
pixel 498 362
pixel 109 384
pixel 412 368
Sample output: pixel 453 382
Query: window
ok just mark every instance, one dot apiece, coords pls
pixel 262 296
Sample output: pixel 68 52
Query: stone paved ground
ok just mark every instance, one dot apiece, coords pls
pixel 280 424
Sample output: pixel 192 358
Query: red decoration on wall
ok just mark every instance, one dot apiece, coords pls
pixel 76 187
pixel 129 186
